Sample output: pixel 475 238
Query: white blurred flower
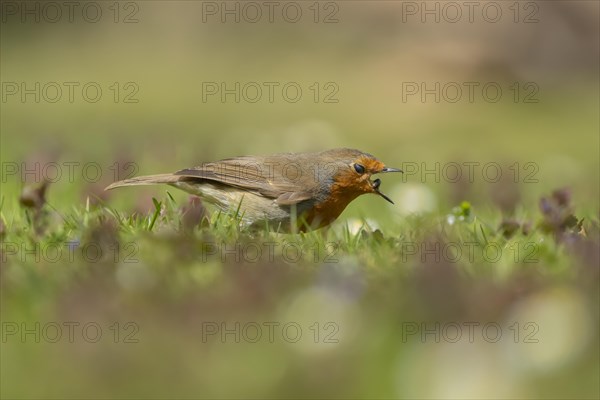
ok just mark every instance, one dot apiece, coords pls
pixel 413 198
pixel 554 328
pixel 461 370
pixel 355 225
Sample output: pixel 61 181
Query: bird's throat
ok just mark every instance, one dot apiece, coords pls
pixel 327 211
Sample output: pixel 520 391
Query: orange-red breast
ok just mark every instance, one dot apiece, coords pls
pixel 313 188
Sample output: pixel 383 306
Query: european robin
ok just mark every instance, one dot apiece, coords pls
pixel 311 189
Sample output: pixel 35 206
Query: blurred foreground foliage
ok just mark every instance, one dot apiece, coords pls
pixel 378 308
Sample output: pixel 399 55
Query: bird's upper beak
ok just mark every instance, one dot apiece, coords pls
pixel 377 182
pixel 386 169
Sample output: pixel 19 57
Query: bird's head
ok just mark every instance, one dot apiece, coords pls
pixel 354 170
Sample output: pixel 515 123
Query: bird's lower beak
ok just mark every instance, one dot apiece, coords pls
pixel 376 184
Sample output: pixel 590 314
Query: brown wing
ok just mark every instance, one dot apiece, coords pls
pixel 279 179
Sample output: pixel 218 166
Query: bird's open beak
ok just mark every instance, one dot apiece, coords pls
pixel 376 184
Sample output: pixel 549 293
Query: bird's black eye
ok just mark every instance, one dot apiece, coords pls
pixel 359 168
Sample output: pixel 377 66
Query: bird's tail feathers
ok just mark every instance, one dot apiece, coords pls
pixel 145 180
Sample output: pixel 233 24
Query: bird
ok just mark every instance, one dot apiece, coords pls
pixel 288 191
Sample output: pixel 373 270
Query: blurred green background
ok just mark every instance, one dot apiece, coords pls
pixel 368 54
pixel 162 54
